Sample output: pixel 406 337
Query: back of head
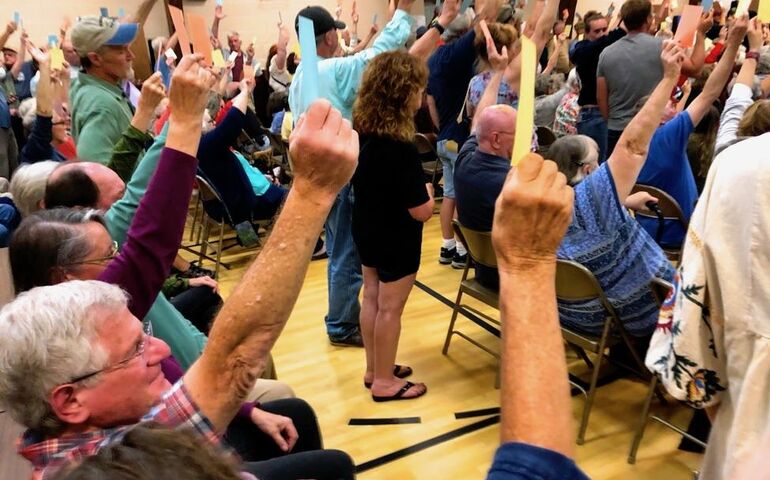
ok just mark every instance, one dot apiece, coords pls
pixel 635 14
pixel 590 16
pixel 70 186
pixel 569 153
pixel 28 185
pixel 389 84
pixel 502 34
pixel 459 26
pixel 47 338
pixel 756 119
pixel 573 80
pixel 45 242
pixel 150 451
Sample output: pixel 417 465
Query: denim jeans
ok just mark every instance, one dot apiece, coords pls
pixel 592 124
pixel 344 270
pixel 448 159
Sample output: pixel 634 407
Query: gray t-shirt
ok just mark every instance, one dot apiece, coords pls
pixel 632 69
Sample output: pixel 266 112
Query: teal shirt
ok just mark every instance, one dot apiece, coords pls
pixel 339 77
pixel 100 115
pixel 186 341
pixel 259 183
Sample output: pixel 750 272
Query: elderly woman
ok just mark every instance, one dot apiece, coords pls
pixel 391 203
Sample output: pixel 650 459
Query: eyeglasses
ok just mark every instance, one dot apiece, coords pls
pixel 98 261
pixel 139 351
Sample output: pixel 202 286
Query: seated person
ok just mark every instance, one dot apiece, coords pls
pixel 602 236
pixel 97 371
pixel 667 166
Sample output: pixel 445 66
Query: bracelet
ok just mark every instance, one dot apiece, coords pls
pixel 752 55
pixel 437 26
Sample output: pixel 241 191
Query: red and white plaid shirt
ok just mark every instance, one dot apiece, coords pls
pixel 176 410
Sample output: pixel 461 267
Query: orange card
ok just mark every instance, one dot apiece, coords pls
pixel 688 24
pixel 248 72
pixel 181 30
pixel 200 36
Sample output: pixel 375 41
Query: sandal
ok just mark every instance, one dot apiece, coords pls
pixel 399 395
pixel 400 371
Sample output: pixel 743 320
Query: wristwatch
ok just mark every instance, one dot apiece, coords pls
pixel 752 54
pixel 437 26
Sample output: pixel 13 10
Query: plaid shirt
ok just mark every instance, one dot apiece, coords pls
pixel 176 409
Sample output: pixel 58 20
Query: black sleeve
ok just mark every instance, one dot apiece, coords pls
pixel 409 185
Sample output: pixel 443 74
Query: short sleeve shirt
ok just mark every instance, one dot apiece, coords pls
pixel 615 248
pixel 668 168
pixel 505 96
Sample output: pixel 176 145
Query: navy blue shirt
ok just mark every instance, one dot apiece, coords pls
pixel 479 179
pixel 23 81
pixel 585 56
pixel 668 169
pixel 521 461
pixel 451 69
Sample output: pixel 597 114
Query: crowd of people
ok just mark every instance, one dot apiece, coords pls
pixel 113 338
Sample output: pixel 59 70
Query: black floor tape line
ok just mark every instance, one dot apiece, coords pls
pixel 478 413
pixel 384 421
pixel 431 442
pixel 466 313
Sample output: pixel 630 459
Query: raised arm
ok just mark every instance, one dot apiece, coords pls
pixel 141 13
pixel 38 146
pixel 542 32
pixel 721 74
pixel 21 56
pixel 282 47
pixel 629 155
pixel 423 47
pixel 693 65
pixel 602 97
pixel 325 150
pixel 218 16
pixel 499 62
pixel 6 34
pixel 132 142
pixel 534 393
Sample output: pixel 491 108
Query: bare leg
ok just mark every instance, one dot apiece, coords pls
pixel 368 316
pixel 446 215
pixel 387 329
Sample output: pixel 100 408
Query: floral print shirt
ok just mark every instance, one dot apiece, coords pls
pixel 712 342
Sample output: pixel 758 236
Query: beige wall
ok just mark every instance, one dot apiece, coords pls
pixel 251 18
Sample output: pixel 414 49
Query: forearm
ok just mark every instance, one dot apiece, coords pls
pixel 141 13
pixel 20 58
pixel 44 96
pixel 535 400
pixel 254 315
pixel 746 74
pixel 184 134
pixel 601 97
pixel 142 117
pixel 215 28
pixel 694 65
pixel 545 25
pixel 721 74
pixel 281 55
pixel 423 47
pixel 4 38
pixel 533 19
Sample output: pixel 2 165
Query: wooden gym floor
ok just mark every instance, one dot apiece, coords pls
pixel 440 446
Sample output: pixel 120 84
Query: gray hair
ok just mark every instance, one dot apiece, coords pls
pixel 573 80
pixel 570 153
pixel 48 336
pixel 28 185
pixel 763 64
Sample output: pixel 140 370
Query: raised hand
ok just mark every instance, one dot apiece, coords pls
pixel 153 92
pixel 755 34
pixel 706 22
pixel 449 11
pixel 738 30
pixel 498 60
pixel 535 194
pixel 324 148
pixel 188 96
pixel 672 57
pixel 219 14
pixel 10 28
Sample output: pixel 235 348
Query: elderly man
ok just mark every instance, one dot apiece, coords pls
pixel 96 372
pixel 234 45
pixel 602 236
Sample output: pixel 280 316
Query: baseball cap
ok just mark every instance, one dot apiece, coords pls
pixel 91 32
pixel 321 18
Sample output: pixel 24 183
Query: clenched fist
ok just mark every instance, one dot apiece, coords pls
pixel 531 214
pixel 189 90
pixel 324 150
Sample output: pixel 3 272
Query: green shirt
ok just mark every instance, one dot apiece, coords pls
pixel 100 115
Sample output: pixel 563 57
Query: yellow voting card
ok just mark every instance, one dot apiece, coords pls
pixel 525 117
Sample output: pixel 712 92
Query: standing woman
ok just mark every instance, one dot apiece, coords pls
pixel 391 204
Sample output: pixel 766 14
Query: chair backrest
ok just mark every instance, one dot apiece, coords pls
pixel 207 191
pixel 660 290
pixel 667 204
pixel 545 136
pixel 424 146
pixel 479 244
pixel 576 283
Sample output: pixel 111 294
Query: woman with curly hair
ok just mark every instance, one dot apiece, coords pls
pixel 391 204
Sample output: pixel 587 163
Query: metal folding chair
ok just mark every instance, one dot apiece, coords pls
pixel 667 209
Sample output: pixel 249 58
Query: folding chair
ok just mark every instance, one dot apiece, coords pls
pixel 431 164
pixel 667 209
pixel 575 283
pixel 660 289
pixel 479 245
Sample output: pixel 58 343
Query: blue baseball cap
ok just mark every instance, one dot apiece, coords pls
pixel 92 32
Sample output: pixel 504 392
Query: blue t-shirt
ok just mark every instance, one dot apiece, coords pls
pixel 451 69
pixel 521 461
pixel 668 169
pixel 259 183
pixel 615 248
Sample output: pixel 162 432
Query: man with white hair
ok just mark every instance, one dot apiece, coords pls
pixel 77 368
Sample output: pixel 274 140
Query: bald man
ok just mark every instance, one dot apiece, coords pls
pixel 480 172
